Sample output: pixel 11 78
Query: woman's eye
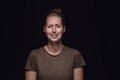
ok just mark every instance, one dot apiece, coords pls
pixel 58 26
pixel 49 26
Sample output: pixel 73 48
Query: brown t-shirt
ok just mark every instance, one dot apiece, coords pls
pixel 58 67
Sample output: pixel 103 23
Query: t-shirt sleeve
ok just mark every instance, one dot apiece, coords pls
pixel 78 60
pixel 31 62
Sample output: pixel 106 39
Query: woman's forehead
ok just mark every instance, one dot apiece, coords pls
pixel 54 19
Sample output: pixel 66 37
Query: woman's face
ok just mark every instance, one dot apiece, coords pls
pixel 54 28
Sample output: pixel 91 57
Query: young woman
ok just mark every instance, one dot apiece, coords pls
pixel 54 61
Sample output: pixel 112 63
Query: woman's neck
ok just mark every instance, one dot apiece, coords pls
pixel 54 48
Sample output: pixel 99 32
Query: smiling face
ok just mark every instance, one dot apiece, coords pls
pixel 54 28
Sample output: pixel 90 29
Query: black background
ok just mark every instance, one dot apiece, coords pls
pixel 87 31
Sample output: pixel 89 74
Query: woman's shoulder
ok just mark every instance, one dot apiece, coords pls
pixel 37 50
pixel 72 50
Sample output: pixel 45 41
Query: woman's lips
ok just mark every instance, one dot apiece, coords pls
pixel 54 35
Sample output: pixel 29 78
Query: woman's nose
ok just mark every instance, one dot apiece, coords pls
pixel 54 29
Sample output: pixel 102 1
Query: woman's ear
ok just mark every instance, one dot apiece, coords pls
pixel 64 29
pixel 44 29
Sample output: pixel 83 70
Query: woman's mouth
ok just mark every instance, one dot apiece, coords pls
pixel 54 35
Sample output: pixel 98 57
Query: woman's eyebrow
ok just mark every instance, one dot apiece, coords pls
pixel 58 24
pixel 50 25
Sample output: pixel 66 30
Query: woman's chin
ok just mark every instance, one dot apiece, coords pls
pixel 54 40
